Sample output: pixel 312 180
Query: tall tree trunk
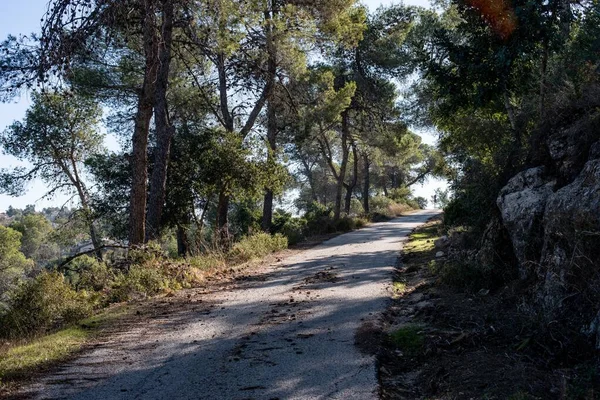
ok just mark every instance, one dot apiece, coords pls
pixel 139 158
pixel 343 166
pixel 367 182
pixel 267 218
pixel 164 130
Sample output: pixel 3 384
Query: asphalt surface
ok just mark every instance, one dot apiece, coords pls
pixel 286 333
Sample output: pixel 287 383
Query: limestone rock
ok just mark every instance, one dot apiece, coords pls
pixel 522 203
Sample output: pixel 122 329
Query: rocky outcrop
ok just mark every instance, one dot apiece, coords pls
pixel 522 203
pixel 570 258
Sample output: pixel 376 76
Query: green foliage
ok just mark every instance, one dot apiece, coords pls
pixel 319 219
pixel 93 274
pixel 294 229
pixel 58 133
pixel 345 224
pixel 13 264
pixel 41 304
pixel 421 202
pixel 441 198
pixel 140 280
pixel 37 241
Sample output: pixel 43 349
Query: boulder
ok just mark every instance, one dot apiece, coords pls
pixel 522 203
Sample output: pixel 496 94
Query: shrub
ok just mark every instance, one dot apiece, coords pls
pixel 144 254
pixel 385 208
pixel 40 304
pixel 93 274
pixel 398 209
pixel 258 245
pixel 422 202
pixel 319 219
pixel 360 222
pixel 345 224
pixel 400 195
pixel 356 207
pixel 140 280
pixel 294 230
pixel 207 262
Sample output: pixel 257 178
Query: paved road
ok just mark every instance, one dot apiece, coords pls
pixel 287 333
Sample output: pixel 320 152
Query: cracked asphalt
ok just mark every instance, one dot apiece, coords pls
pixel 287 332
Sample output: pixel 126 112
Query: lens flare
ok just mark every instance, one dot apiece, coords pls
pixel 499 14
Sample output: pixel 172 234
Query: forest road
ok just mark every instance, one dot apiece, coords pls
pixel 287 332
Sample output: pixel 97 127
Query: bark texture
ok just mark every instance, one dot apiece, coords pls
pixel 139 158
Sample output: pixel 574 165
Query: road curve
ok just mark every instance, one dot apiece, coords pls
pixel 288 333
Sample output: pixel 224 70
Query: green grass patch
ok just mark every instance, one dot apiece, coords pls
pixel 423 240
pixel 409 339
pixel 420 248
pixel 20 360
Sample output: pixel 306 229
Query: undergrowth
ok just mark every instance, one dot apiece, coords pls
pixel 45 317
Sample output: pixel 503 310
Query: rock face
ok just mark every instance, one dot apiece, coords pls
pixel 522 203
pixel 555 236
pixel 571 253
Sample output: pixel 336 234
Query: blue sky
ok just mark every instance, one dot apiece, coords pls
pixel 23 17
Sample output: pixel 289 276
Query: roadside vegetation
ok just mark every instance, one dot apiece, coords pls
pixel 52 309
pixel 453 333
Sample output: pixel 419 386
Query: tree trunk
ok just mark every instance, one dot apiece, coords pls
pixel 343 166
pixel 85 206
pixel 367 183
pixel 267 219
pixel 183 246
pixel 222 234
pixel 139 158
pixel 164 130
pixel 350 187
